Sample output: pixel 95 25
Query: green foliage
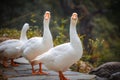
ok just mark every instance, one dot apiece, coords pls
pixel 107 31
pixel 95 50
pixel 34 31
pixel 61 37
pixel 62 33
pixel 15 34
pixel 106 47
pixel 11 33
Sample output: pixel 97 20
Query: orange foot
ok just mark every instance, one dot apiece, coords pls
pixel 13 63
pixel 62 77
pixel 42 73
pixel 35 73
pixel 5 65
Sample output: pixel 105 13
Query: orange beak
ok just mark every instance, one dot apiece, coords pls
pixel 74 16
pixel 47 15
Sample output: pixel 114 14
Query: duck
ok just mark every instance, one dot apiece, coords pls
pixel 61 57
pixel 8 47
pixel 38 45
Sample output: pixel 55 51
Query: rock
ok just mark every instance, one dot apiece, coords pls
pixel 115 76
pixel 108 70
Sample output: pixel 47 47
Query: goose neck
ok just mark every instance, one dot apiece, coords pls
pixel 74 38
pixel 23 36
pixel 47 37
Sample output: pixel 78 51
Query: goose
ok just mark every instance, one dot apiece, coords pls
pixel 38 45
pixel 61 57
pixel 8 48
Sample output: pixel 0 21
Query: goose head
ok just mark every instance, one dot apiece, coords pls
pixel 23 32
pixel 74 18
pixel 47 17
pixel 26 26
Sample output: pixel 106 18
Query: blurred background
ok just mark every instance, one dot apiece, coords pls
pixel 98 25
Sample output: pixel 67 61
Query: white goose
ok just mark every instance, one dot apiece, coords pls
pixel 38 45
pixel 61 57
pixel 8 48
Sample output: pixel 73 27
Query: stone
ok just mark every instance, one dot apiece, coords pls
pixel 23 72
